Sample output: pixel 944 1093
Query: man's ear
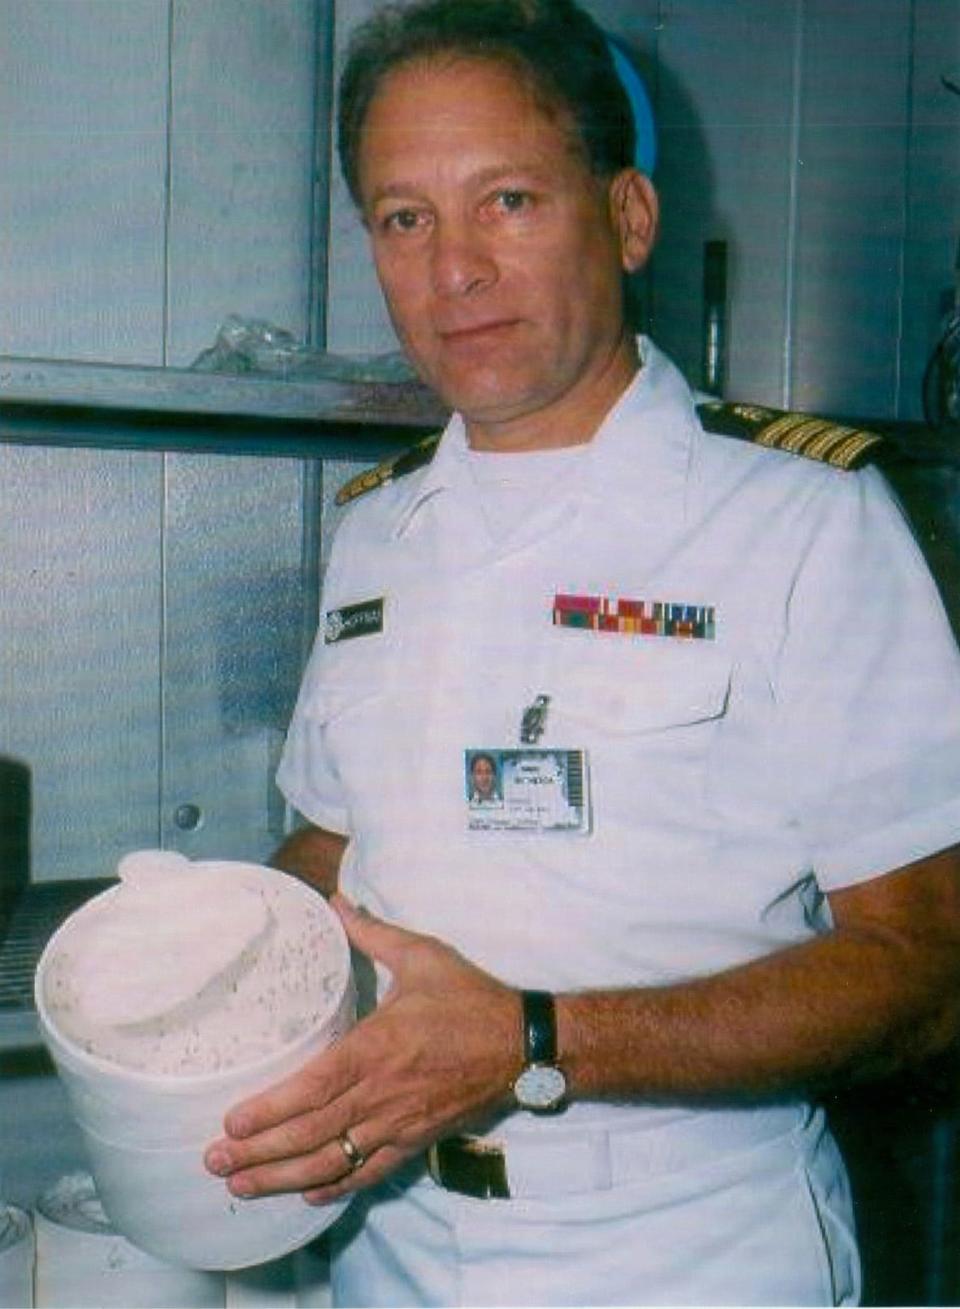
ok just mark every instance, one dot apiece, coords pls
pixel 635 210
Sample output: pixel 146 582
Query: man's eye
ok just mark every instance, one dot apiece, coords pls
pixel 401 220
pixel 513 201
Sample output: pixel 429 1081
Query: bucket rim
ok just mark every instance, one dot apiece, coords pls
pixel 65 1049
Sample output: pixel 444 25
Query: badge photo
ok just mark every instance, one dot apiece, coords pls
pixel 526 790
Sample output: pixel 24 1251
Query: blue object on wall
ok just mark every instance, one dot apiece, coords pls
pixel 645 156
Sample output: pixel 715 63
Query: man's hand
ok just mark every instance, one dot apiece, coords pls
pixel 443 1047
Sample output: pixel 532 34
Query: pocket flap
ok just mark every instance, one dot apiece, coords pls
pixel 637 691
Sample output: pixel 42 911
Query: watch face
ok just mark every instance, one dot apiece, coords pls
pixel 540 1087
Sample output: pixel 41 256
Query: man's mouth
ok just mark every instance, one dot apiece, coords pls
pixel 476 333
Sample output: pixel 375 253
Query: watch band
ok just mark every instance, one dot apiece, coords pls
pixel 539 1028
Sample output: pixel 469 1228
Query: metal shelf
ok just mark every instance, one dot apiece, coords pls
pixel 32 920
pixel 61 403
pixel 188 391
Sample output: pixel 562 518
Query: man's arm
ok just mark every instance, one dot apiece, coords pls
pixel 313 854
pixel 878 991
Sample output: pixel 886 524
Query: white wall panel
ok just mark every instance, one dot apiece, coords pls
pixel 852 198
pixel 80 538
pixel 725 110
pixel 234 593
pixel 103 103
pixel 82 163
pixel 241 183
pixel 357 321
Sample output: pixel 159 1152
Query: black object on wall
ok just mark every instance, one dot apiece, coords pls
pixel 714 364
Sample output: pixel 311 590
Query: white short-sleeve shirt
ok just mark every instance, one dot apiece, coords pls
pixel 811 740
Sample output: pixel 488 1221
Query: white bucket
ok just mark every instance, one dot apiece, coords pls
pixel 146 1133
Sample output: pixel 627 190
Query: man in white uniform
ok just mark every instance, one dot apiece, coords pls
pixel 724 704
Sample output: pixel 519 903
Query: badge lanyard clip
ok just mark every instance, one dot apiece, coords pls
pixel 534 720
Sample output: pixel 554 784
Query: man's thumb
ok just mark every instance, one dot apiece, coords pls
pixel 368 934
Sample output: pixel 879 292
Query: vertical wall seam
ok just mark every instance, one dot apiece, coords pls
pixel 793 206
pixel 905 213
pixel 322 164
pixel 167 192
pixel 164 487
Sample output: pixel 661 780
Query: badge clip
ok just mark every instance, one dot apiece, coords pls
pixel 534 720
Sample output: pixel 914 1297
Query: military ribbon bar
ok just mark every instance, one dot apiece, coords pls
pixel 635 617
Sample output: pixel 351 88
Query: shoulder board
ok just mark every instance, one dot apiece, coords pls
pixel 405 462
pixel 798 434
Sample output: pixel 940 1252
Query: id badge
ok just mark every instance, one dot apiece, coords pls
pixel 527 790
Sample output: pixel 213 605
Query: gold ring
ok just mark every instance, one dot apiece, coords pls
pixel 351 1151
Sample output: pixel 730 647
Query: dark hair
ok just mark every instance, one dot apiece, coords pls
pixel 553 42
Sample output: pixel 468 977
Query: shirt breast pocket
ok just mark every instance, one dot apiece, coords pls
pixel 631 689
pixel 648 719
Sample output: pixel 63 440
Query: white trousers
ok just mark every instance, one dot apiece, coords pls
pixel 716 1224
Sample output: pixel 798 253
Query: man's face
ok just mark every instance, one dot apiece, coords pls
pixel 499 253
pixel 484 776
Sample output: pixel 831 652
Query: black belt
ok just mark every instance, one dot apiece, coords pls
pixel 470 1167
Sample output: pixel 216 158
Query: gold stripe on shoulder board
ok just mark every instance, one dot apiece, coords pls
pixel 405 462
pixel 821 439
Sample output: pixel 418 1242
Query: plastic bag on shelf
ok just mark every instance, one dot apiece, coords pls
pixel 253 345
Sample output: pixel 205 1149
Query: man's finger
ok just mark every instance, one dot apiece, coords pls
pixel 318 1084
pixel 297 1136
pixel 323 1167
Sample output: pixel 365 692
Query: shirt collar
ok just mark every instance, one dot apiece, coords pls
pixel 639 455
pixel 642 450
pixel 445 471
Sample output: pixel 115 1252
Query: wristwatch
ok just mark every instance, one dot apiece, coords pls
pixel 541 1086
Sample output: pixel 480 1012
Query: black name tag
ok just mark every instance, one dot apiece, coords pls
pixel 362 619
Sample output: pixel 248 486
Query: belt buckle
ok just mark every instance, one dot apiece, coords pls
pixel 469 1166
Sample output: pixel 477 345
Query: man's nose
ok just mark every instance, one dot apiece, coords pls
pixel 462 263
